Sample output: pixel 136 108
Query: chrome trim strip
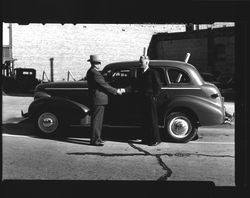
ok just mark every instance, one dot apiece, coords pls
pixel 180 88
pixel 65 88
pixel 110 126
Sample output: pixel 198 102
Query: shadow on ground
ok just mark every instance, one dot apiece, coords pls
pixel 74 133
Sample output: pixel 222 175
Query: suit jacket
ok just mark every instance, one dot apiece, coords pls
pixel 98 88
pixel 148 83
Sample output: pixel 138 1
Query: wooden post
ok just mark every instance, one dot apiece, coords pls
pixel 45 75
pixel 51 70
pixel 68 76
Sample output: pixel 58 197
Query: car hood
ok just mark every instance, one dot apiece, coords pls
pixel 71 84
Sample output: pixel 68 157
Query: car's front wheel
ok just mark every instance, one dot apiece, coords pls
pixel 49 123
pixel 180 127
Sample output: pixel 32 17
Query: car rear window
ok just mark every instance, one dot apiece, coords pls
pixel 178 76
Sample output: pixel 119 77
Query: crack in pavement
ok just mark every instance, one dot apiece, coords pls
pixel 146 153
pixel 139 149
pixel 196 154
pixel 107 154
pixel 165 167
pixel 168 173
pixel 200 154
pixel 164 177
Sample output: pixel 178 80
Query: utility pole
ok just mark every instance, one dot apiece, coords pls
pixel 10 40
pixel 10 50
pixel 51 70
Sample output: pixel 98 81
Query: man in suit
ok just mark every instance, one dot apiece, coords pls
pixel 149 86
pixel 98 93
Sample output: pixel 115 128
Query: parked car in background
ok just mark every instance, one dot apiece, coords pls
pixel 228 89
pixel 208 77
pixel 225 78
pixel 185 103
pixel 23 80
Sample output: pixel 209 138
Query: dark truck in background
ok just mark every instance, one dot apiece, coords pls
pixel 18 80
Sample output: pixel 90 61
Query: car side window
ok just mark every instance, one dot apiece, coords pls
pixel 121 78
pixel 178 76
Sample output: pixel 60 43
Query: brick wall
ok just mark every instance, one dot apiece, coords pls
pixel 70 45
pixel 176 50
pixel 211 50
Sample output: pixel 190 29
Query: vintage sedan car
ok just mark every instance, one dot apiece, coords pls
pixel 186 101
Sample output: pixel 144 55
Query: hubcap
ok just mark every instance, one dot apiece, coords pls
pixel 47 122
pixel 179 127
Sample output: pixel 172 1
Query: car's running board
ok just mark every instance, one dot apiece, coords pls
pixel 113 126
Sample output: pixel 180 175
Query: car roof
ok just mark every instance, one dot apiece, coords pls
pixel 152 63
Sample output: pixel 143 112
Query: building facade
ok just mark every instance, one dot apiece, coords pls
pixel 212 50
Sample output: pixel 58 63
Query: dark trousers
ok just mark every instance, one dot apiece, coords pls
pixel 97 112
pixel 151 120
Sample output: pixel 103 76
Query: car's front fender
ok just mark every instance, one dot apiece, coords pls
pixel 72 111
pixel 206 112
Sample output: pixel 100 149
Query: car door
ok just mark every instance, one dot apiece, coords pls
pixel 123 110
pixel 126 110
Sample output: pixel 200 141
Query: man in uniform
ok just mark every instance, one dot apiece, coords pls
pixel 98 93
pixel 149 86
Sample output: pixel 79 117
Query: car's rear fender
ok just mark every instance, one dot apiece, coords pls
pixel 71 111
pixel 206 112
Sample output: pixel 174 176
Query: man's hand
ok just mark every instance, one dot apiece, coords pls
pixel 120 91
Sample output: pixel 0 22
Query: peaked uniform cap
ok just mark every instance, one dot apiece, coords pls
pixel 143 58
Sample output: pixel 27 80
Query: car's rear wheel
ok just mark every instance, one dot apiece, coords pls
pixel 180 127
pixel 49 123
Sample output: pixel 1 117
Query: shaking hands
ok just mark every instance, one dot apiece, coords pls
pixel 120 91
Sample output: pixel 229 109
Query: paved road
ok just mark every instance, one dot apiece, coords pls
pixel 25 156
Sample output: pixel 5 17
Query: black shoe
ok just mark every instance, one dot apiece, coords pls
pixel 101 141
pixel 154 144
pixel 96 143
pixel 144 141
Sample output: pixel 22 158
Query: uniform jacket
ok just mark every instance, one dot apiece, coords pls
pixel 148 83
pixel 98 88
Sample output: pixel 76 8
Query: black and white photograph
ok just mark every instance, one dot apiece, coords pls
pixel 119 102
pixel 136 97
